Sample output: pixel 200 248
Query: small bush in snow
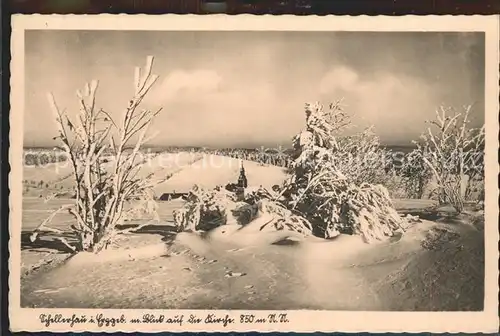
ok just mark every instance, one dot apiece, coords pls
pixel 325 195
pixel 102 193
pixel 453 153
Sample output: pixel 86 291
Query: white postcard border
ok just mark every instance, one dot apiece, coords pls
pixel 25 319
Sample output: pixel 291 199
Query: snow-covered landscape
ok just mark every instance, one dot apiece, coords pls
pixel 339 219
pixel 160 268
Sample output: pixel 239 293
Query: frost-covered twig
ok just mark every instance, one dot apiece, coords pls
pixel 101 192
pixel 449 153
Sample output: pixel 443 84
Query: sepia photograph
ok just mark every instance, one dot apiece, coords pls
pixel 243 170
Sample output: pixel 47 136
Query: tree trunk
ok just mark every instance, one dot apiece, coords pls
pixel 85 241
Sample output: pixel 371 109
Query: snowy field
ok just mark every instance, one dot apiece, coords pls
pixel 441 261
pixel 435 266
pixel 181 171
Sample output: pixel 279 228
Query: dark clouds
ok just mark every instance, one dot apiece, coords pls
pixel 249 88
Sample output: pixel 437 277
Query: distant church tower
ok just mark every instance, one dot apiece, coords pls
pixel 242 179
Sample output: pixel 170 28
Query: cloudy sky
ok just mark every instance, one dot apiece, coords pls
pixel 249 88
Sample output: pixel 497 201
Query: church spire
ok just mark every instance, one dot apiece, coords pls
pixel 242 179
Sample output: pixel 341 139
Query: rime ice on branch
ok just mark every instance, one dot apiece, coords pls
pixel 318 198
pixel 331 201
pixel 102 189
pixel 450 151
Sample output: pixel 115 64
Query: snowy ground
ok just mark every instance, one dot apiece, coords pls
pixel 183 170
pixel 435 265
pixel 211 171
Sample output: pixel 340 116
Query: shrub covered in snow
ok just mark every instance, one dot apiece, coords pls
pixel 329 197
pixel 319 198
pixel 415 175
pixel 452 153
pixel 101 195
pixel 208 209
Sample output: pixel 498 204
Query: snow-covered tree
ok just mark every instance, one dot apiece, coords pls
pixel 102 189
pixel 453 153
pixel 328 197
pixel 319 198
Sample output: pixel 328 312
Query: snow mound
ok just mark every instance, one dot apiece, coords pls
pixel 213 170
